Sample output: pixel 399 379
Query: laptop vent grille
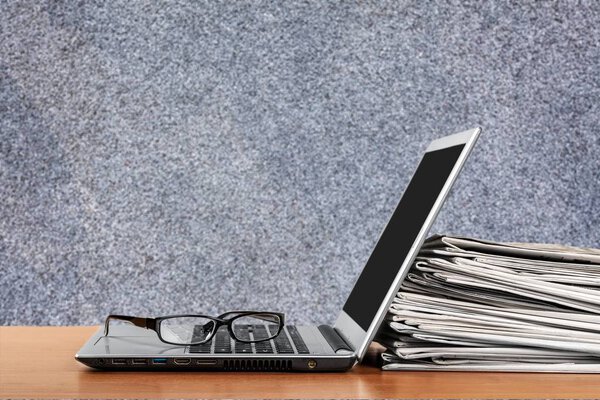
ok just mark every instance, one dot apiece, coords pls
pixel 257 365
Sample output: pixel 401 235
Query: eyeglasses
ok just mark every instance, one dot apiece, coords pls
pixel 189 330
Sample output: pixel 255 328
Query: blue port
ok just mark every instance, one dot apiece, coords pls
pixel 159 361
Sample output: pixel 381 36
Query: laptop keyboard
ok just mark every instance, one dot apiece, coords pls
pixel 288 341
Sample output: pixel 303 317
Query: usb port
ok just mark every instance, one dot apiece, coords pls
pixel 159 361
pixel 182 361
pixel 119 361
pixel 139 361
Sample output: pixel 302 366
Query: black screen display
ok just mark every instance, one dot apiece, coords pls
pixel 400 234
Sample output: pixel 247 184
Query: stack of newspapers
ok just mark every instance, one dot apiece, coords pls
pixel 475 305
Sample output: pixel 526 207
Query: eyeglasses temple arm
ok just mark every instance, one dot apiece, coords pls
pixel 147 323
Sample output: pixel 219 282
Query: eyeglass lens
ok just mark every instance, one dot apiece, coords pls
pixel 187 330
pixel 255 327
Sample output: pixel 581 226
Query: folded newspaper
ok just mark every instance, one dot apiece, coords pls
pixel 476 305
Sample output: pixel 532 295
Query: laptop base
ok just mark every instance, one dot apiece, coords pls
pixel 132 349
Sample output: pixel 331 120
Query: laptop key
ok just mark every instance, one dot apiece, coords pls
pixel 243 348
pixel 200 348
pixel 298 341
pixel 222 342
pixel 281 342
pixel 263 347
pixel 243 351
pixel 226 350
pixel 283 348
pixel 285 351
pixel 264 351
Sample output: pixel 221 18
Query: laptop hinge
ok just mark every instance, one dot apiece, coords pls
pixel 335 340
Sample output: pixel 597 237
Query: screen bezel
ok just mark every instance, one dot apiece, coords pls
pixel 345 325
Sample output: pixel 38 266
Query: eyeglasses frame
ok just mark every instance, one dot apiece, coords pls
pixel 153 323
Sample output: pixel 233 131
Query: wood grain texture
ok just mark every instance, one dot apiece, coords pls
pixel 39 362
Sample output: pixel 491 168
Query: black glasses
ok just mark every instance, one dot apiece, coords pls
pixel 189 330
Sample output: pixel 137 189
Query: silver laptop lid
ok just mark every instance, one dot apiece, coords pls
pixel 401 239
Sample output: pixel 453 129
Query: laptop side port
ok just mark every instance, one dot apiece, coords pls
pixel 119 361
pixel 139 361
pixel 182 361
pixel 159 361
pixel 206 362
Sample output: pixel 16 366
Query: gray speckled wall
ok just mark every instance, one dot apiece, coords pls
pixel 167 157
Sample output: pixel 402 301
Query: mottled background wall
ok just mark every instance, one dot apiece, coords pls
pixel 160 157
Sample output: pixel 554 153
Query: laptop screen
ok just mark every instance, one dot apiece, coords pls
pixel 400 234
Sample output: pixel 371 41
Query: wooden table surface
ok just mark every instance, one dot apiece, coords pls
pixel 39 362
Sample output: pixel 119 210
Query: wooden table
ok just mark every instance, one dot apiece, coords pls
pixel 38 362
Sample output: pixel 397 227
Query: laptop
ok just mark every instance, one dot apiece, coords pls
pixel 310 348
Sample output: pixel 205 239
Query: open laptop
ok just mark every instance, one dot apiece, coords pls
pixel 311 348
